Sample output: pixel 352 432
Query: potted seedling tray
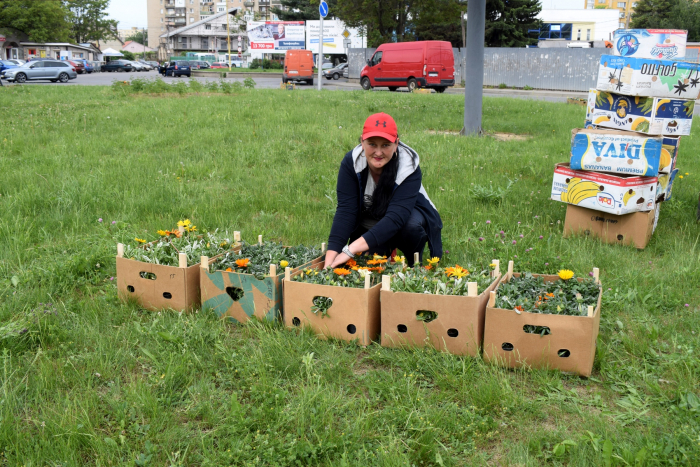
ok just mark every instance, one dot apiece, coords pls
pixel 452 323
pixel 158 286
pixel 238 296
pixel 516 338
pixel 348 313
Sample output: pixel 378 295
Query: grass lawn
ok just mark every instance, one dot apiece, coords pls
pixel 88 380
pixel 242 70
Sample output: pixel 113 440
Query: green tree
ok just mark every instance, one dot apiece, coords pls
pixel 128 55
pixel 298 10
pixel 439 20
pixel 652 14
pixel 89 22
pixel 141 37
pixel 507 22
pixel 41 20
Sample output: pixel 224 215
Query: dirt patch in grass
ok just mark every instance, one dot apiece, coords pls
pixel 496 135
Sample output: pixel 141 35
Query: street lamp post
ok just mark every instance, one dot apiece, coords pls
pixel 474 67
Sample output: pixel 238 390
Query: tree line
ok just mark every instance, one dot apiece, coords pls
pixel 76 21
pixel 668 14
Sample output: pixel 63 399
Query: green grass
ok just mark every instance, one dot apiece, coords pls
pixel 93 381
pixel 241 70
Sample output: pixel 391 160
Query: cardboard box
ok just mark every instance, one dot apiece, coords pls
pixel 648 77
pixel 648 115
pixel 650 43
pixel 239 296
pixel 155 286
pixel 569 347
pixel 458 328
pixel 669 149
pixel 614 194
pixel 354 314
pixel 631 229
pixel 613 151
pixel 665 186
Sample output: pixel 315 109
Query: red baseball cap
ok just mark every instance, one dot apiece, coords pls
pixel 380 124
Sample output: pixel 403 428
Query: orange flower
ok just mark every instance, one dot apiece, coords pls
pixel 429 267
pixel 229 270
pixel 355 268
pixel 242 263
pixel 351 263
pixel 458 271
pixel 341 271
pixel 519 308
pixel 376 268
pixel 547 296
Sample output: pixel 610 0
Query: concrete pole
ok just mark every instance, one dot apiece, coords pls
pixel 320 56
pixel 474 75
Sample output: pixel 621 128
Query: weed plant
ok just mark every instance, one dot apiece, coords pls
pixel 99 381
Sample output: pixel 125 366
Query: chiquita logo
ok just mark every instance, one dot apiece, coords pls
pixel 606 200
pixel 621 106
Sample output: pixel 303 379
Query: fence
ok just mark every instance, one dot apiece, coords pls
pixel 557 69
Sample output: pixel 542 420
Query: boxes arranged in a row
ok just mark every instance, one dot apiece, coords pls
pixel 624 160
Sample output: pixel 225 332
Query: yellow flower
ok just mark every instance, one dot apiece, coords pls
pixel 184 223
pixel 400 259
pixel 680 176
pixel 459 273
pixel 162 233
pixel 223 244
pixel 685 173
pixel 492 265
pixel 192 229
pixel 284 263
pixel 140 240
pixel 566 274
pixel 434 260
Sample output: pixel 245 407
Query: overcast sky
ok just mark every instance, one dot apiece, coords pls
pixel 129 13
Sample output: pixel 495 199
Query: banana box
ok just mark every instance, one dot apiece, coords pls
pixel 649 115
pixel 614 194
pixel 648 77
pixel 663 190
pixel 650 43
pixel 613 151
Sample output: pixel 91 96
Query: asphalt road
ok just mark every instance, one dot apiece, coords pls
pixel 106 79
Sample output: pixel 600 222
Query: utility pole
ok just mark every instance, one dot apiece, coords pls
pixel 474 75
pixel 228 35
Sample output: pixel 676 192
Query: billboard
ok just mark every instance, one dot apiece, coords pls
pixel 336 37
pixel 275 36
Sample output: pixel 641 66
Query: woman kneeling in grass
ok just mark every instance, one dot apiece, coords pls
pixel 382 204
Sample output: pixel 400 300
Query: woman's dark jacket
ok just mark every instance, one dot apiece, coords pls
pixel 408 194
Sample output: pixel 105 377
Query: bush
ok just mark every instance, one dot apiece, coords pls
pixel 528 88
pixel 248 83
pixel 225 86
pixel 502 86
pixel 266 64
pixel 211 86
pixel 196 86
pixel 128 55
pixel 180 87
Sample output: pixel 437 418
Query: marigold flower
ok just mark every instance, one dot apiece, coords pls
pixel 242 263
pixel 191 229
pixel 351 262
pixel 459 273
pixel 140 240
pixel 434 260
pixel 429 267
pixel 229 270
pixel 519 308
pixel 284 263
pixel 565 274
pixel 184 223
pixel 341 271
pixel 162 233
pixel 400 259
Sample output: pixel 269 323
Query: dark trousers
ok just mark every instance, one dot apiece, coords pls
pixel 410 239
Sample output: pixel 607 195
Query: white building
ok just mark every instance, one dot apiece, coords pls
pixel 564 26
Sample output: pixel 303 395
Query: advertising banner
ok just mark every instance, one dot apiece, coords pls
pixel 275 36
pixel 337 38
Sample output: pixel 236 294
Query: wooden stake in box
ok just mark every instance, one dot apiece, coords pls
pixel 155 286
pixel 240 296
pixel 569 346
pixel 457 328
pixel 353 315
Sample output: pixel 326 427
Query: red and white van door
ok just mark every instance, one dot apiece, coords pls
pixel 434 64
pixel 374 70
pixel 447 72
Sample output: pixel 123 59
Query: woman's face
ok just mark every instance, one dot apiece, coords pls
pixel 378 152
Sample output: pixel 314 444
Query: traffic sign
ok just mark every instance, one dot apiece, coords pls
pixel 346 34
pixel 323 9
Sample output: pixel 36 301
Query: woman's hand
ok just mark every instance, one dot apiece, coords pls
pixel 330 257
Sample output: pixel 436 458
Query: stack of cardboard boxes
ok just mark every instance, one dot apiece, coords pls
pixel 623 162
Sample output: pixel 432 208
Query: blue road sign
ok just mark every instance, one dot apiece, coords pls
pixel 323 9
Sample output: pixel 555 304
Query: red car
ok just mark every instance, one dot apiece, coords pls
pixel 219 65
pixel 79 66
pixel 422 64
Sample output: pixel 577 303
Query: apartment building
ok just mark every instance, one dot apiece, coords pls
pixel 165 16
pixel 625 9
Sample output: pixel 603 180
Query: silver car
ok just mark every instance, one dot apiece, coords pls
pixel 52 70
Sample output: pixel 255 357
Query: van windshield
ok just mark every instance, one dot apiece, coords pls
pixel 376 58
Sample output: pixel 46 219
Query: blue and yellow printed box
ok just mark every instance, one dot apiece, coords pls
pixel 619 152
pixel 648 77
pixel 650 43
pixel 649 115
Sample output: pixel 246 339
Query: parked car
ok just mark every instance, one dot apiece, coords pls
pixel 87 65
pixel 219 65
pixel 17 62
pixel 346 72
pixel 53 70
pixel 179 68
pixel 146 65
pixel 6 65
pixel 200 64
pixel 137 66
pixel 154 65
pixel 78 65
pixel 427 64
pixel 335 73
pixel 298 66
pixel 117 65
